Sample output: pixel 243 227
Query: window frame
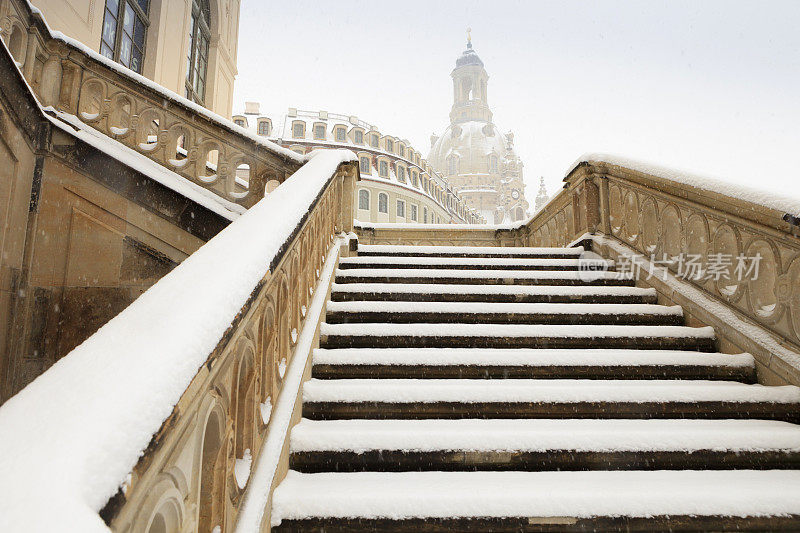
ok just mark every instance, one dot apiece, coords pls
pixel 199 28
pixel 356 134
pixel 414 212
pixel 374 140
pixel 383 164
pixel 383 203
pixel 113 51
pixel 361 160
pixel 318 125
pixel 302 124
pixel 264 122
pixel 400 209
pixel 340 130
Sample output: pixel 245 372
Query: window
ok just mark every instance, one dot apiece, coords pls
pixel 341 135
pixel 363 199
pixel 240 122
pixel 383 169
pixel 401 174
pixel 492 163
pixel 383 203
pixel 401 208
pixel 452 165
pixel 401 150
pixel 364 164
pixel 263 128
pixel 319 131
pixel 373 140
pixel 124 32
pixel 414 178
pixel 299 130
pixel 425 215
pixel 197 58
pixel 413 212
pixel 359 137
pixel 389 145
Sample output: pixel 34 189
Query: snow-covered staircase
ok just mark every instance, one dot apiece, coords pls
pixel 496 389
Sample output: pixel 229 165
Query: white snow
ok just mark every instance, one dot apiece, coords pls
pixel 468 250
pixel 537 494
pixel 524 357
pixel 145 165
pixel 522 290
pixel 241 469
pixel 266 410
pixel 255 499
pixel 785 203
pixel 472 261
pixel 493 307
pixel 483 274
pixel 543 435
pixel 542 390
pixel 100 405
pixel 517 330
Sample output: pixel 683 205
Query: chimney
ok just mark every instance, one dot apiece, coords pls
pixel 252 108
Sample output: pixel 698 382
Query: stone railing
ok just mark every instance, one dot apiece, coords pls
pixel 439 234
pixel 161 416
pixel 739 249
pixel 169 129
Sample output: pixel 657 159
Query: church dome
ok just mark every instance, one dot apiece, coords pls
pixel 472 142
pixel 469 57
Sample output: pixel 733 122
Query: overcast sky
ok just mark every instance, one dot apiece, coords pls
pixel 712 87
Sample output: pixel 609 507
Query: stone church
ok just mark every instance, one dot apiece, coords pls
pixel 478 160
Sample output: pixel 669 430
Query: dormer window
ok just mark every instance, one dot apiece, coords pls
pixel 299 130
pixel 263 127
pixel 358 137
pixel 364 164
pixel 383 169
pixel 242 123
pixel 389 145
pixel 401 174
pixel 374 140
pixel 341 134
pixel 319 131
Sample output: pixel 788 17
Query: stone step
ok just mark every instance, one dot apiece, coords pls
pixel 502 313
pixel 326 399
pixel 431 292
pixel 473 263
pixel 467 251
pixel 382 335
pixel 537 445
pixel 765 500
pixel 465 363
pixel 484 277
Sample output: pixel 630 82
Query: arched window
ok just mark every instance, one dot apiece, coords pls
pixel 492 163
pixel 197 58
pixel 401 174
pixel 414 178
pixel 124 32
pixel 452 165
pixel 383 169
pixel 363 199
pixel 383 203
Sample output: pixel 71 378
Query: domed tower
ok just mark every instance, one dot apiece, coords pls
pixel 478 161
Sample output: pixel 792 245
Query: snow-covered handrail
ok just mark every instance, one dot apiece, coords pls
pixel 140 113
pixel 196 359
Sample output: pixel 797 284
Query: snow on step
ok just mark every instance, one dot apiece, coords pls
pixel 517 308
pixel 542 390
pixel 537 494
pixel 467 250
pixel 482 274
pixel 522 290
pixel 526 435
pixel 497 261
pixel 524 357
pixel 516 330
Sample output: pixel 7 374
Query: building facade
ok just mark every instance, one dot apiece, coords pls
pixel 186 46
pixel 477 160
pixel 397 185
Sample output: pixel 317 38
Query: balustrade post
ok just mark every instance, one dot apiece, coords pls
pixel 349 175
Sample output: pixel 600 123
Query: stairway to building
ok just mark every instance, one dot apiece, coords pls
pixel 500 389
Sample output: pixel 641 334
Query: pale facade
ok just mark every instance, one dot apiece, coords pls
pixel 397 185
pixel 478 160
pixel 186 46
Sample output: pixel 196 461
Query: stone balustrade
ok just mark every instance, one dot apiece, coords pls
pixel 169 129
